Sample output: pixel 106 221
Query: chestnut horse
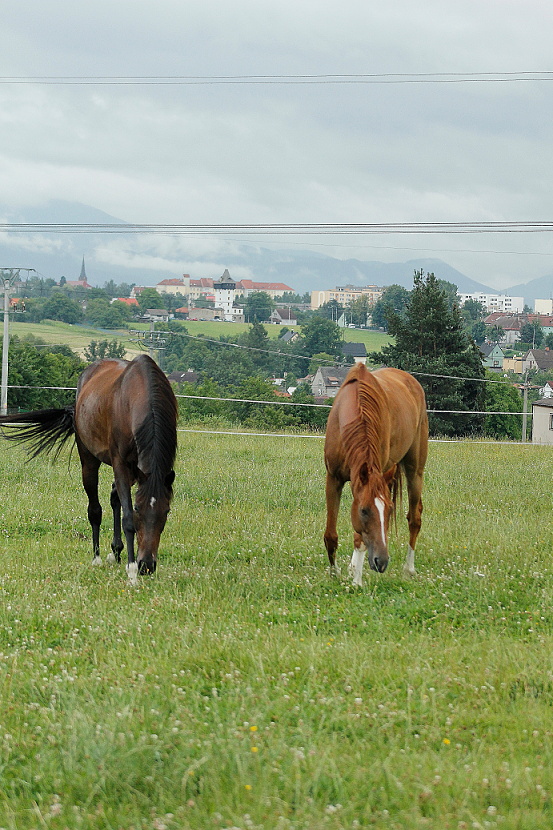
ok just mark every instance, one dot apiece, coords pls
pixel 125 415
pixel 377 430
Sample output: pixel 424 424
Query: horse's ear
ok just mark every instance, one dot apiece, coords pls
pixel 389 475
pixel 169 479
pixel 364 474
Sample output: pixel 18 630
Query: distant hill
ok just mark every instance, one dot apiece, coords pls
pixel 56 255
pixel 538 289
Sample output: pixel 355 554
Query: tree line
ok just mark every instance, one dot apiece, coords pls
pixel 431 340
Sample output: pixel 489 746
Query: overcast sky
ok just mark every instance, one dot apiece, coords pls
pixel 385 151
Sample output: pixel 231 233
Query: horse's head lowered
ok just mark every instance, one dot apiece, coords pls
pixel 150 515
pixel 371 510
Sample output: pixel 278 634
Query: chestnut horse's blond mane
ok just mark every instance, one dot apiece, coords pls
pixel 362 437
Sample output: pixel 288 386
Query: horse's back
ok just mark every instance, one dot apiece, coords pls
pixel 406 403
pixel 395 403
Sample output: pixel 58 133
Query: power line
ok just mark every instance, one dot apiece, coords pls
pixel 284 228
pixel 396 78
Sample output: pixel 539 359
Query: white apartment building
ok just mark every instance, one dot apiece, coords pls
pixel 345 295
pixel 495 302
pixel 544 307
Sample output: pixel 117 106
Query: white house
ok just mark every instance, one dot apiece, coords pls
pixel 542 421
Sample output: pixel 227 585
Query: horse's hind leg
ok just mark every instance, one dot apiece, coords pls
pixel 334 489
pixel 414 489
pixel 117 541
pixel 90 467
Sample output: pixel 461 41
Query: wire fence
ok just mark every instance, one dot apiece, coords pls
pixel 283 403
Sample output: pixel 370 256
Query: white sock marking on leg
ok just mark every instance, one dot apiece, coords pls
pixel 110 558
pixel 132 572
pixel 97 560
pixel 409 566
pixel 356 565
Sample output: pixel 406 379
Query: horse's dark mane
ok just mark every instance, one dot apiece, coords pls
pixel 156 438
pixel 363 435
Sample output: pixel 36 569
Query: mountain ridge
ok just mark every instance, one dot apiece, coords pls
pixel 60 254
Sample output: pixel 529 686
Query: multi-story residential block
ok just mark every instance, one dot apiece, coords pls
pixel 344 295
pixel 495 302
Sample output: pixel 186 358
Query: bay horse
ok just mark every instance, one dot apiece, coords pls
pixel 124 415
pixel 377 431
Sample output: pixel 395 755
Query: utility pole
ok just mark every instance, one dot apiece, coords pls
pixel 8 276
pixel 524 407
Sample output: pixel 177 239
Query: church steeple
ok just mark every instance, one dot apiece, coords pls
pixel 83 273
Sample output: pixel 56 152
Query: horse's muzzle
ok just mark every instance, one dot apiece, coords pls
pixel 379 564
pixel 146 567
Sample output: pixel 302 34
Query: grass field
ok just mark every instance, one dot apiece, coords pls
pixel 78 337
pixel 243 687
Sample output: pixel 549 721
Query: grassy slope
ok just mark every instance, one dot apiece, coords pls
pixel 78 337
pixel 243 687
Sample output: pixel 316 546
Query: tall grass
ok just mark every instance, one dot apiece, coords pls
pixel 242 686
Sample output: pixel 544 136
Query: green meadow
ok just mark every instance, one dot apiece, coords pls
pixel 78 337
pixel 243 687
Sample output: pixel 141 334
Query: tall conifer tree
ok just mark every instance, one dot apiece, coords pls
pixel 430 342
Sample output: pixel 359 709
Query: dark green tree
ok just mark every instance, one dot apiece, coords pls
pixel 494 334
pixel 473 310
pixel 477 331
pixel 99 349
pixel 332 310
pixel 502 396
pixel 258 306
pixel 532 333
pixel 359 310
pixel 394 299
pixel 432 344
pixel 100 312
pixel 123 289
pixel 321 335
pixel 60 307
pixel 37 375
pixel 149 298
pixel 450 290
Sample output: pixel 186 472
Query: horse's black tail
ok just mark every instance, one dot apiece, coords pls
pixel 43 430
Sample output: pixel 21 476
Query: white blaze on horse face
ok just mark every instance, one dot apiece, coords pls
pixel 356 565
pixel 380 506
pixel 152 501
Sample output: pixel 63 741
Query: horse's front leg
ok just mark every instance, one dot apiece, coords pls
pixel 334 489
pixel 90 467
pixel 117 541
pixel 357 560
pixel 123 486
